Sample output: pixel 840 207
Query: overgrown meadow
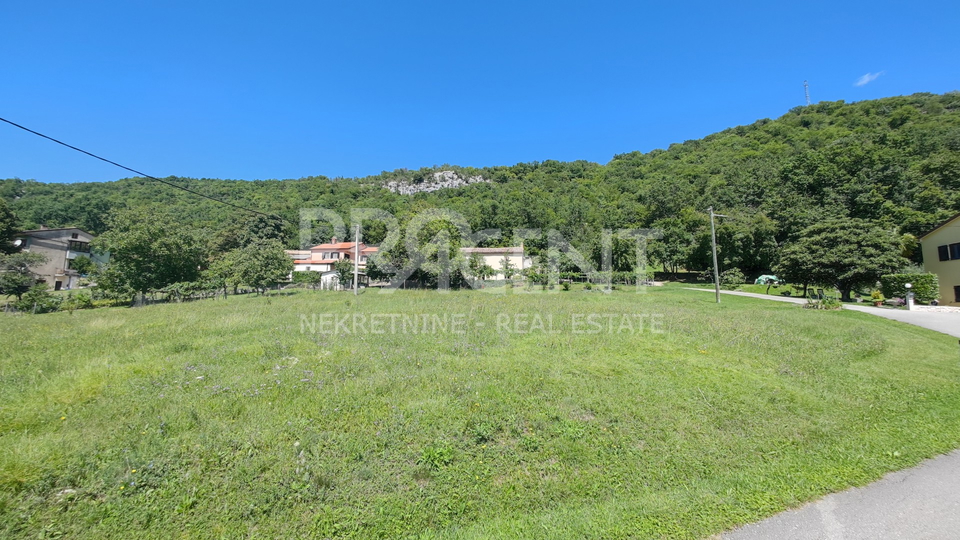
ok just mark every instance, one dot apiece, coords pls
pixel 241 418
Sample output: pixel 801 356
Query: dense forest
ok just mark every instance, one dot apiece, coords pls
pixel 894 162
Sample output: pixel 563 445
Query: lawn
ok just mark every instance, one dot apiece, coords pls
pixel 498 415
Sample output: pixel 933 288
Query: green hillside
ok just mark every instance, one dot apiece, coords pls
pixel 894 160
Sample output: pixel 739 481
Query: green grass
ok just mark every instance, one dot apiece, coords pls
pixel 222 418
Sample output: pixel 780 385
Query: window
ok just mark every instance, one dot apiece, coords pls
pixel 82 247
pixel 944 252
pixel 75 236
pixel 956 293
pixel 954 251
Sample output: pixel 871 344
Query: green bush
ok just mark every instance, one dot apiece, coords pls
pixel 825 303
pixel 925 287
pixel 732 277
pixel 38 300
pixel 80 300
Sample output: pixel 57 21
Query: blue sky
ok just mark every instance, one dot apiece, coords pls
pixel 257 90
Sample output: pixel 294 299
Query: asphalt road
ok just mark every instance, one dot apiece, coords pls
pixel 945 323
pixel 918 503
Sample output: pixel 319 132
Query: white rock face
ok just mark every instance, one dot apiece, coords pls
pixel 438 180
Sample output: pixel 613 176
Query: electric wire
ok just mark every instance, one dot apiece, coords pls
pixel 171 184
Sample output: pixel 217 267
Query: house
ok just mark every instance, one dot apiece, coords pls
pixel 494 258
pixel 61 247
pixel 941 256
pixel 321 258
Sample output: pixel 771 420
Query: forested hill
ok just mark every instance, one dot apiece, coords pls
pixel 893 160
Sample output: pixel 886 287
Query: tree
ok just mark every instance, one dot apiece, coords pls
pixel 83 265
pixel 8 227
pixel 261 264
pixel 374 271
pixel 507 267
pixel 261 227
pixel 344 270
pixel 309 278
pixel 677 243
pixel 38 299
pixel 846 254
pixel 15 275
pixel 150 250
pixel 479 268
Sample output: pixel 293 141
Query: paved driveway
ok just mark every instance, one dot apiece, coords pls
pixel 922 502
pixel 943 322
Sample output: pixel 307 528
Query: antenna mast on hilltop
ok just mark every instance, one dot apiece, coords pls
pixel 806 91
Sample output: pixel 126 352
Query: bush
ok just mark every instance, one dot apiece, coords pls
pixel 732 277
pixel 825 303
pixel 38 300
pixel 81 300
pixel 925 287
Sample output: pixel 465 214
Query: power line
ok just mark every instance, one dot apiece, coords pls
pixel 171 184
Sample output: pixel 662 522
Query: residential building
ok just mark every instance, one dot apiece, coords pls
pixel 321 258
pixel 941 256
pixel 61 247
pixel 494 258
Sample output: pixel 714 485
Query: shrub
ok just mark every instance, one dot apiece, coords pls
pixel 80 300
pixel 566 285
pixel 38 300
pixel 925 287
pixel 732 277
pixel 825 303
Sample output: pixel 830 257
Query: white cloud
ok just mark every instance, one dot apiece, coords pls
pixel 868 78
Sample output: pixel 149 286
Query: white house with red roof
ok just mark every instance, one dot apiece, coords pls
pixel 321 258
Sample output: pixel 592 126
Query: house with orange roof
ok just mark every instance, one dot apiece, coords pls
pixel 322 257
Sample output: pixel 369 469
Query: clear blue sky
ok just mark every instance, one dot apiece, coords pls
pixel 256 90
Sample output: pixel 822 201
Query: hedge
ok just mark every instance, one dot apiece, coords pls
pixel 925 287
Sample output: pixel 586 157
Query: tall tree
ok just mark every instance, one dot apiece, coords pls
pixel 261 264
pixel 8 227
pixel 344 270
pixel 149 250
pixel 846 254
pixel 16 278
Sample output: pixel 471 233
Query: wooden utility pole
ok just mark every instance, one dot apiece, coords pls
pixel 356 262
pixel 713 237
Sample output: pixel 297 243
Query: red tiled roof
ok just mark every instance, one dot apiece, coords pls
pixel 338 245
pixel 493 250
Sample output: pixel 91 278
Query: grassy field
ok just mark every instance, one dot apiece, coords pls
pixel 510 416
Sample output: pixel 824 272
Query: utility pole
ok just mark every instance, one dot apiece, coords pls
pixel 356 262
pixel 713 237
